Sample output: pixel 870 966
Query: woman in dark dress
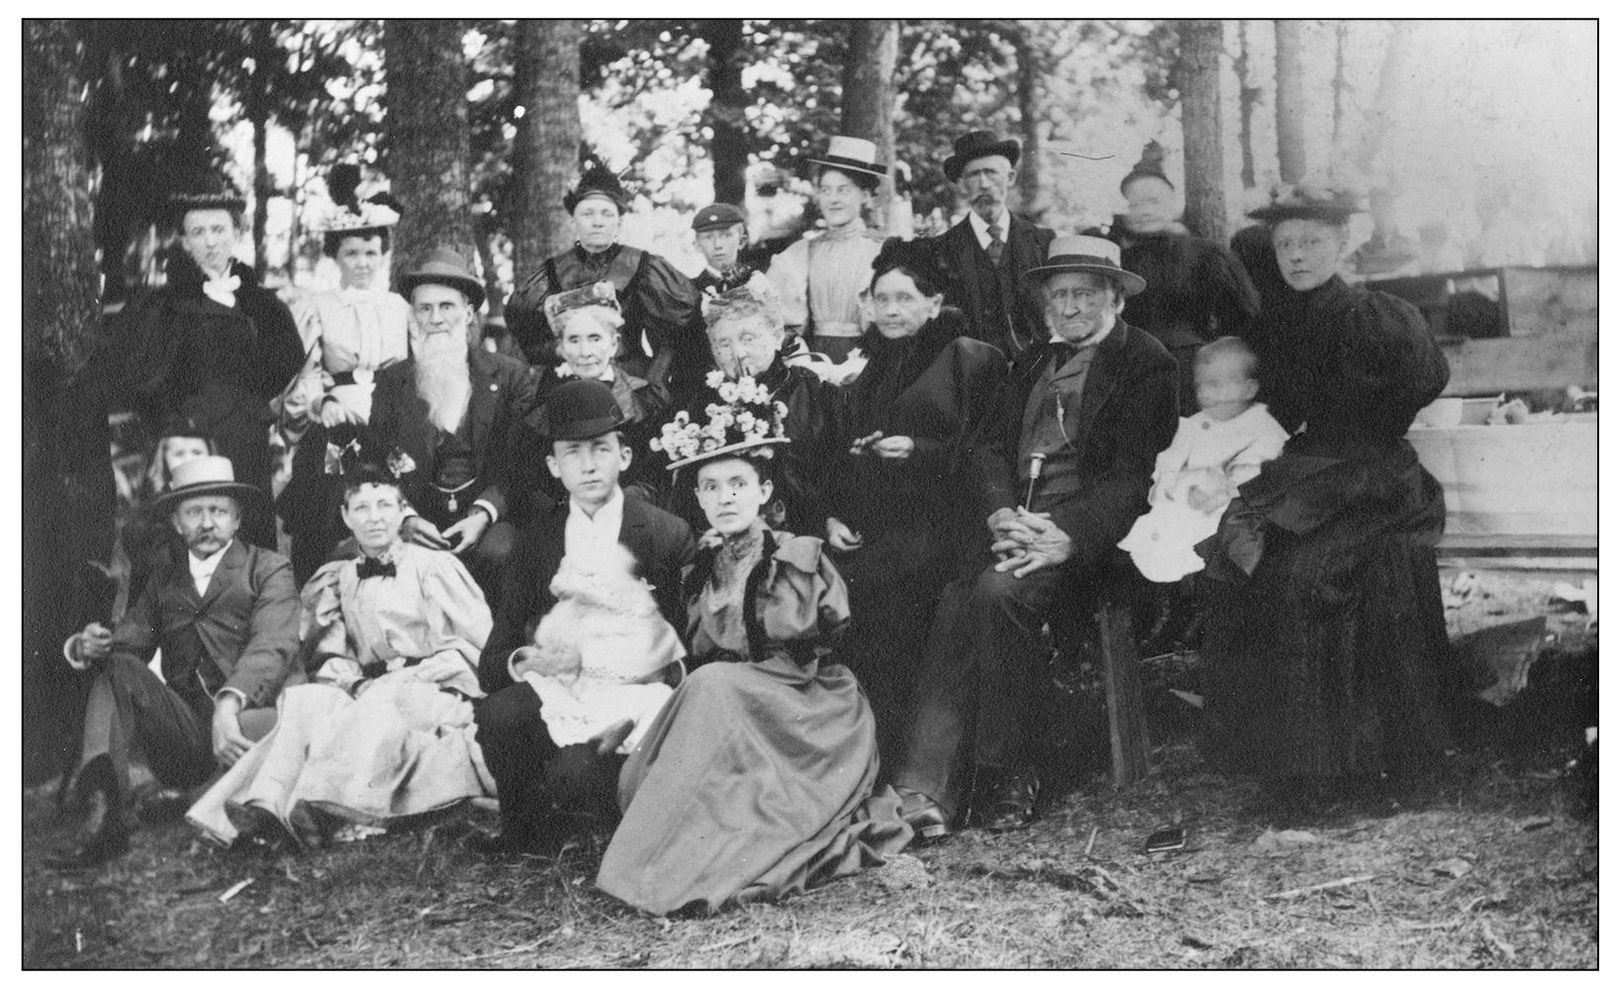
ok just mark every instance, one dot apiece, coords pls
pixel 898 519
pixel 1325 644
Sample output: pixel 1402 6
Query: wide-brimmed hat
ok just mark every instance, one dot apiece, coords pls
pixel 979 143
pixel 348 215
pixel 718 215
pixel 362 462
pixel 748 423
pixel 1086 254
pixel 1308 202
pixel 446 267
pixel 851 154
pixel 211 191
pixel 597 181
pixel 580 409
pixel 207 475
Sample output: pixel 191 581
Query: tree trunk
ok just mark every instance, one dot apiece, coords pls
pixel 429 139
pixel 726 113
pixel 257 112
pixel 1290 99
pixel 1030 99
pixel 868 96
pixel 544 159
pixel 1201 49
pixel 1250 95
pixel 67 482
pixel 1339 88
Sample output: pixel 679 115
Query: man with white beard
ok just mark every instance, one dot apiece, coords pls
pixel 458 416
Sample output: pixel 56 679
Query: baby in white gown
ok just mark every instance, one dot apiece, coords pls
pixel 1212 453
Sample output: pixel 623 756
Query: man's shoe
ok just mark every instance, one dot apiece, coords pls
pixel 102 836
pixel 157 805
pixel 924 814
pixel 1009 802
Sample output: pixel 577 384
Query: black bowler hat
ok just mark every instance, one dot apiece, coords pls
pixel 979 143
pixel 718 215
pixel 580 409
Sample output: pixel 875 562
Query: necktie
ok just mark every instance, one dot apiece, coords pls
pixel 995 245
pixel 372 567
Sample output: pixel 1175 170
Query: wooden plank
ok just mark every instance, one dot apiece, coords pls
pixel 1124 697
pixel 1488 366
pixel 1550 300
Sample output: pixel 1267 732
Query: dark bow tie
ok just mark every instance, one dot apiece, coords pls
pixel 371 567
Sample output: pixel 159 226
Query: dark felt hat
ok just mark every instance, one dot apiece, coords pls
pixel 1087 254
pixel 1332 205
pixel 211 191
pixel 718 215
pixel 597 181
pixel 979 143
pixel 580 409
pixel 1148 166
pixel 446 267
pixel 207 475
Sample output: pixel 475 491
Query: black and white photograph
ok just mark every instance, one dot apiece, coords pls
pixel 781 494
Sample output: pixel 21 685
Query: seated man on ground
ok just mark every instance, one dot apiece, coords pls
pixel 225 618
pixel 1064 467
pixel 384 731
pixel 535 779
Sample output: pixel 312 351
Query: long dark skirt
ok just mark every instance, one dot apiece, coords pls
pixel 1332 659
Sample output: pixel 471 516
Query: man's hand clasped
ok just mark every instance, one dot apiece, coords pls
pixel 1027 541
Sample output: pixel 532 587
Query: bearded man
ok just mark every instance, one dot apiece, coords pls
pixel 983 257
pixel 457 414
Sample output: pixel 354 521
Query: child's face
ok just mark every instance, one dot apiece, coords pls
pixel 1223 387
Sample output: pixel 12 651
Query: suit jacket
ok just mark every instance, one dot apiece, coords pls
pixel 241 634
pixel 965 266
pixel 504 395
pixel 1126 415
pixel 661 542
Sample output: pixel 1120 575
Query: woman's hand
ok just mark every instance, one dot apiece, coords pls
pixel 841 537
pixel 894 448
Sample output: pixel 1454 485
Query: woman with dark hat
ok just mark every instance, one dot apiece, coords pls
pixel 1325 644
pixel 819 279
pixel 1197 289
pixel 661 338
pixel 897 518
pixel 384 731
pixel 757 779
pixel 211 344
pixel 361 326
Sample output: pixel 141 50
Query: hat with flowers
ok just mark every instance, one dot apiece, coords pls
pixel 748 422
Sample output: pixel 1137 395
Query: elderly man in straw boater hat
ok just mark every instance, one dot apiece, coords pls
pixel 1063 470
pixel 225 619
pixel 661 338
pixel 212 344
pixel 819 279
pixel 982 258
pixel 460 413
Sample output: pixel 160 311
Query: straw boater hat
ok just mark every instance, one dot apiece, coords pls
pixel 1333 205
pixel 580 409
pixel 444 266
pixel 979 143
pixel 1087 254
pixel 597 181
pixel 207 475
pixel 854 156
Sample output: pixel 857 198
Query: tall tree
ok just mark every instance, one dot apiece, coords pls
pixel 1339 85
pixel 1031 94
pixel 726 112
pixel 1250 96
pixel 1290 98
pixel 67 483
pixel 428 139
pixel 545 156
pixel 1201 49
pixel 868 94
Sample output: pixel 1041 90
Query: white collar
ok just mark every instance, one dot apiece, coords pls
pixel 205 566
pixel 610 511
pixel 980 225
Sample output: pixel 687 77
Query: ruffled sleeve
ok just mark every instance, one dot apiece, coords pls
pixel 330 652
pixel 807 608
pixel 1388 364
pixel 457 615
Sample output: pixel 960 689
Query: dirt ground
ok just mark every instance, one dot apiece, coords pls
pixel 1492 863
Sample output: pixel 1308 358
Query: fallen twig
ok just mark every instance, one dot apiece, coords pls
pixel 1090 849
pixel 1292 893
pixel 235 890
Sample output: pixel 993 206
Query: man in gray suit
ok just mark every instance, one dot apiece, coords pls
pixel 226 622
